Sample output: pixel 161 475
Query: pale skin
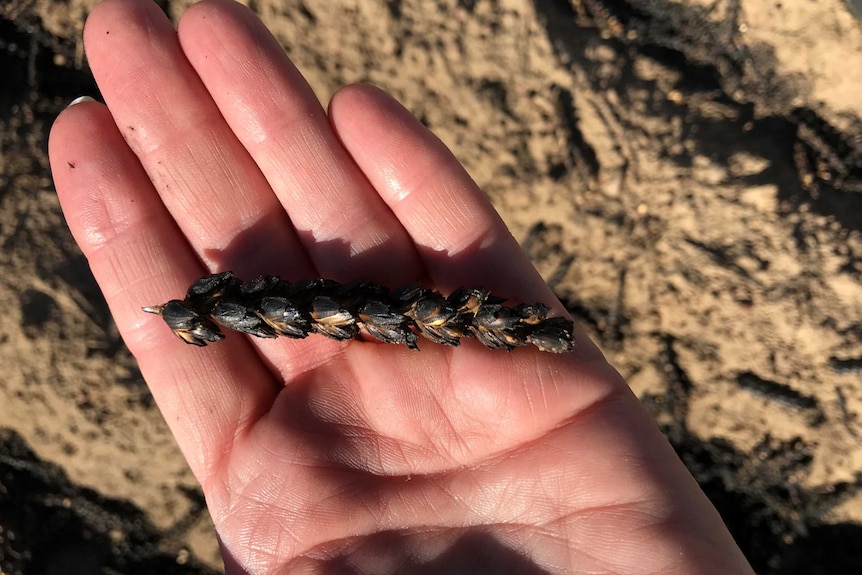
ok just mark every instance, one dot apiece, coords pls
pixel 317 456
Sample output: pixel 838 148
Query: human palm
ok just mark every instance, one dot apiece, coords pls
pixel 319 456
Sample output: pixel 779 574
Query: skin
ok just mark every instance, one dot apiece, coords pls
pixel 317 456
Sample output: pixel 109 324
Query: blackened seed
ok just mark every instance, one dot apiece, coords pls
pixel 410 338
pixel 203 333
pixel 407 295
pixel 338 332
pixel 178 315
pixel 356 292
pixel 489 338
pixel 190 338
pixel 275 308
pixel 433 311
pixel 301 292
pixel 210 286
pixel 284 317
pixel 228 313
pixel 379 313
pixel 326 310
pixel 548 341
pixel 260 286
pixel 532 313
pixel 440 334
pixel 399 335
pixel 237 317
pixel 188 325
pixel 497 317
pixel 554 335
pixel 470 300
pixel 499 327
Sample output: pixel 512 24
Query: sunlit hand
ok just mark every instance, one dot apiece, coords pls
pixel 319 456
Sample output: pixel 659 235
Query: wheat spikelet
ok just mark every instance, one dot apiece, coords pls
pixel 270 307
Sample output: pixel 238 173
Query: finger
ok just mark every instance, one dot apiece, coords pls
pixel 138 255
pixel 460 237
pixel 343 223
pixel 207 180
pixel 445 213
pixel 440 206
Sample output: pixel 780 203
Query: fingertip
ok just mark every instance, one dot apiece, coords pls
pixel 413 171
pixel 360 94
pixel 355 106
pixel 81 100
pixel 204 7
pixel 396 151
pixel 70 131
pixel 197 11
pixel 79 109
pixel 105 15
pixel 115 30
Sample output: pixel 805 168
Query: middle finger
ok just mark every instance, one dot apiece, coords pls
pixel 345 226
pixel 205 178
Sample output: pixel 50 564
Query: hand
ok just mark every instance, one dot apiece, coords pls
pixel 319 456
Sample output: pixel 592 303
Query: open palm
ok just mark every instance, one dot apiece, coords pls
pixel 319 456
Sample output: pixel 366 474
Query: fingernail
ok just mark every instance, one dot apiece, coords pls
pixel 80 99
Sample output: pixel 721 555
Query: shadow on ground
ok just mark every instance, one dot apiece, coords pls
pixel 49 525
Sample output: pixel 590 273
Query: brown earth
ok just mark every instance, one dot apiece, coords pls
pixel 686 175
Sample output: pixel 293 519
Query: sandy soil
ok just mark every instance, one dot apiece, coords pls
pixel 686 175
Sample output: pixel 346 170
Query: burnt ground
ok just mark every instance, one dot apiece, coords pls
pixel 687 176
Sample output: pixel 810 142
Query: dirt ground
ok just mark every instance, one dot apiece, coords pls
pixel 687 176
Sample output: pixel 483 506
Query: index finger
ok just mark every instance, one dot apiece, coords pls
pixel 137 253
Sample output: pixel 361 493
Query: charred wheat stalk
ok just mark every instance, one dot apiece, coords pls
pixel 269 307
